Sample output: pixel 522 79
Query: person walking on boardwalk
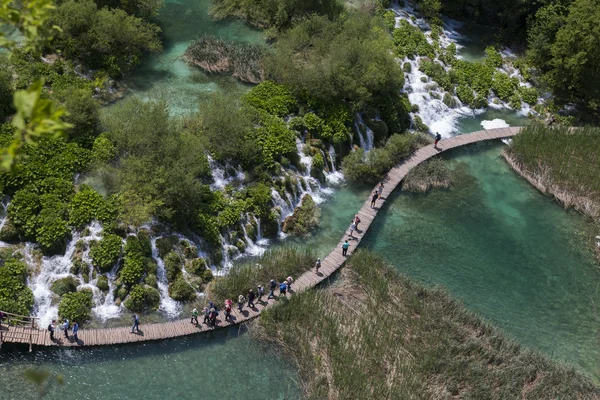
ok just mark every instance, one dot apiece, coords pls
pixel 136 324
pixel 352 227
pixel 228 304
pixel 212 317
pixel 374 199
pixel 289 282
pixel 282 288
pixel 260 293
pixel 75 331
pixel 380 189
pixel 356 221
pixel 272 286
pixel 241 301
pixel 66 328
pixel 438 137
pixel 206 312
pixel 345 248
pixel 194 316
pixel 317 265
pixel 51 329
pixel 251 297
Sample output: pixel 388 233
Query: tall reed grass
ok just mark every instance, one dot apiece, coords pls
pixel 275 264
pixel 244 61
pixel 377 335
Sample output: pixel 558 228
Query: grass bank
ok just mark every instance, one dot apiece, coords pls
pixel 377 335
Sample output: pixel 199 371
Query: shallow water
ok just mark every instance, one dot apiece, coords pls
pixel 508 252
pixel 219 365
pixel 168 77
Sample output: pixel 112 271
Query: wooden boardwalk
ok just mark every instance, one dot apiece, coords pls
pixel 166 330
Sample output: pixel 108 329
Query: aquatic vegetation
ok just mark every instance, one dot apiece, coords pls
pixel 64 285
pixel 341 340
pixel 142 298
pixel 272 98
pixel 409 41
pixel 181 290
pixel 433 173
pixel 242 60
pixel 305 218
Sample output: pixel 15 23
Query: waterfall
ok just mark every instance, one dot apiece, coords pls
pixel 334 177
pixel 426 94
pixel 221 177
pixel 167 305
pixel 252 248
pixel 366 138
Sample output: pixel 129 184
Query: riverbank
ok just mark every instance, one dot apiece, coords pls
pixel 376 334
pixel 561 163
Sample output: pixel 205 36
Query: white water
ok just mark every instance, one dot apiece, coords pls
pixel 168 306
pixel 334 177
pixel 365 138
pixel 495 123
pixel 220 177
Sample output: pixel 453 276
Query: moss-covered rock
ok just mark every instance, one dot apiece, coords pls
pixel 251 231
pixel 9 232
pixel 165 245
pixel 173 265
pixel 180 290
pixel 270 225
pixel 102 283
pixel 207 276
pixel 106 253
pixel 306 217
pixel 241 246
pixel 142 298
pixel 122 292
pixel 449 100
pixel 189 250
pixel 380 130
pixel 64 285
pixel 151 281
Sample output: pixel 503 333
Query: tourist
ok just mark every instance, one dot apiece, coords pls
pixel 75 331
pixel 66 328
pixel 438 137
pixel 317 265
pixel 136 324
pixel 251 297
pixel 210 304
pixel 272 286
pixel 51 329
pixel 289 281
pixel 228 303
pixel 206 312
pixel 352 227
pixel 260 292
pixel 345 248
pixel 213 316
pixel 282 288
pixel 356 221
pixel 241 301
pixel 380 189
pixel 374 199
pixel 194 316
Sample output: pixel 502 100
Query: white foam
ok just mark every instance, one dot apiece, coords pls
pixel 495 123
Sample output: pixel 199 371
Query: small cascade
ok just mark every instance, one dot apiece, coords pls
pixel 220 175
pixel 167 305
pixel 366 138
pixel 334 177
pixel 253 248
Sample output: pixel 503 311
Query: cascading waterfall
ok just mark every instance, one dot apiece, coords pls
pixel 366 138
pixel 168 306
pixel 432 110
pixel 221 177
pixel 334 177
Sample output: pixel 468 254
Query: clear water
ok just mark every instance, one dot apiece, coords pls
pixel 168 77
pixel 218 365
pixel 508 252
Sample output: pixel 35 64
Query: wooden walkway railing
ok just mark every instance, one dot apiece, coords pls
pixel 165 330
pixel 15 328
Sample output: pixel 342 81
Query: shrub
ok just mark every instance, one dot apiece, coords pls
pixel 87 205
pixel 400 146
pixel 76 306
pixel 15 296
pixel 272 98
pixel 133 269
pixel 407 67
pixel 410 41
pixel 142 298
pixel 367 168
pixel 465 94
pixel 64 285
pixel 389 18
pixel 449 100
pixel 165 245
pixel 106 253
pixel 305 218
pixel 151 280
pixel 180 290
pixel 503 86
pixel 493 59
pixel 196 266
pixel 529 95
pixel 172 266
pixel 103 150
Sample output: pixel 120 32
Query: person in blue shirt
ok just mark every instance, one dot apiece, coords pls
pixel 136 324
pixel 66 328
pixel 75 331
pixel 282 288
pixel 345 248
pixel 272 287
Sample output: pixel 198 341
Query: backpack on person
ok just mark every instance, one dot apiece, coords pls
pixel 50 329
